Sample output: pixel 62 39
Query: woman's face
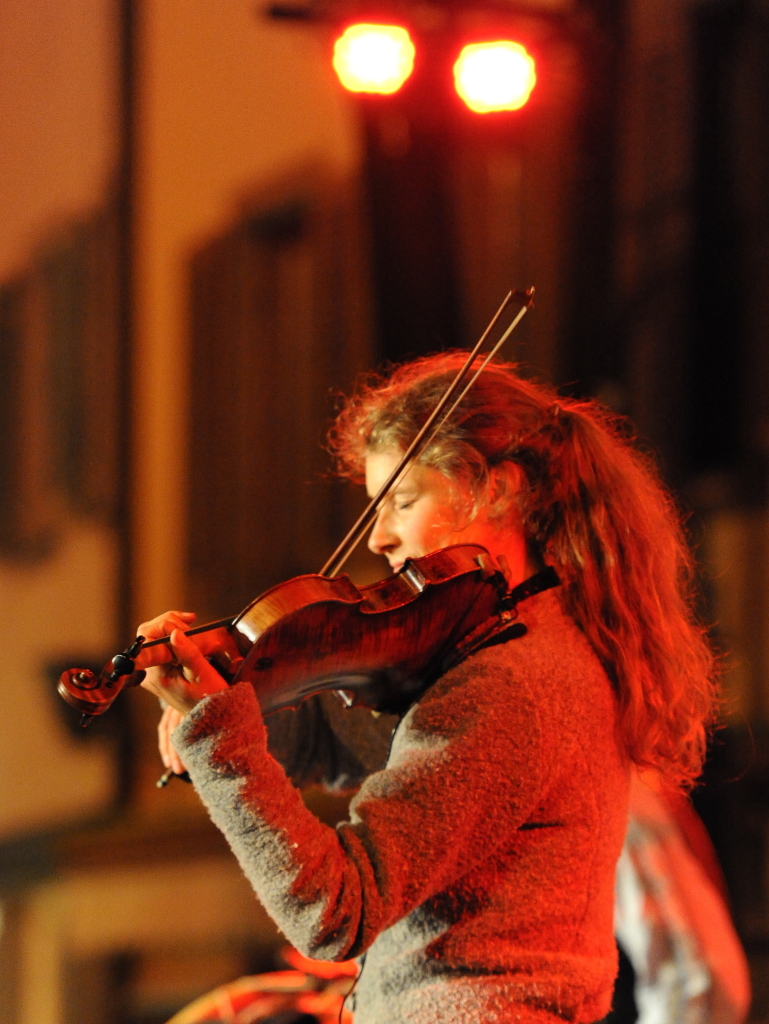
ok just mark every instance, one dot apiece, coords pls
pixel 426 512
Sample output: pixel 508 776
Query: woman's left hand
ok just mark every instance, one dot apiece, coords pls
pixel 187 677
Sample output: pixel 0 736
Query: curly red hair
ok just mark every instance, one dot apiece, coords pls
pixel 595 509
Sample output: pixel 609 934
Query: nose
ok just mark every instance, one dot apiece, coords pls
pixel 382 538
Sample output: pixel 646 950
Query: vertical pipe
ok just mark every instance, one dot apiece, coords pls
pixel 126 15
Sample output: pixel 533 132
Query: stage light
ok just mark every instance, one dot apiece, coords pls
pixel 494 76
pixel 374 58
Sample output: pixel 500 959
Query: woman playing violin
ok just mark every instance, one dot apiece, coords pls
pixel 475 875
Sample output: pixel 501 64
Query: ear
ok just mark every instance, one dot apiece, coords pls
pixel 505 481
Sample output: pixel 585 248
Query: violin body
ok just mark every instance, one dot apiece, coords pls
pixel 380 645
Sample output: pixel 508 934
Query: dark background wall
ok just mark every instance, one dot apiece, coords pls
pixel 280 238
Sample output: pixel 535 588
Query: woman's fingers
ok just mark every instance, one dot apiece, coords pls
pixel 188 680
pixel 200 676
pixel 161 625
pixel 168 722
pixel 178 672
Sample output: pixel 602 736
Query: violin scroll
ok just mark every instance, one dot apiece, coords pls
pixel 93 695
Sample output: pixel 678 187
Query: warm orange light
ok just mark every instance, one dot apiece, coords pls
pixel 494 76
pixel 374 58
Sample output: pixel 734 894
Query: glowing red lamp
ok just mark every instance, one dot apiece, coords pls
pixel 494 76
pixel 374 58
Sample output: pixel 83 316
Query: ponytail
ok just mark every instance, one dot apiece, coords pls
pixel 598 511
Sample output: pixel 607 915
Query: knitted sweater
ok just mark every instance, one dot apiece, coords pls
pixel 476 872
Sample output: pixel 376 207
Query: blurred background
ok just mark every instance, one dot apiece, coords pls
pixel 204 238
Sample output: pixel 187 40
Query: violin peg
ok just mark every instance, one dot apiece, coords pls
pixel 166 777
pixel 122 665
pixel 133 650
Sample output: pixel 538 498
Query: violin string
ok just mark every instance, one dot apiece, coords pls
pixel 346 547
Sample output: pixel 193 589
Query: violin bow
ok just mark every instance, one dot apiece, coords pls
pixel 429 429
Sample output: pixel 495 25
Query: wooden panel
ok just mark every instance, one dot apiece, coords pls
pixel 27 503
pixel 80 280
pixel 59 377
pixel 279 319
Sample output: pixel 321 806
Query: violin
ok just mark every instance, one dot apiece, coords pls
pixel 379 645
